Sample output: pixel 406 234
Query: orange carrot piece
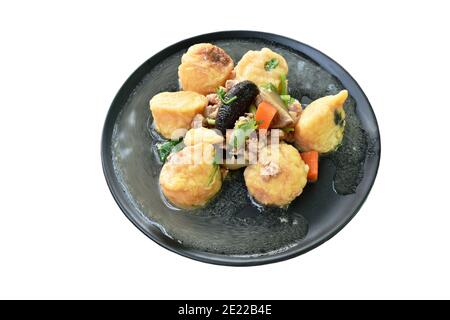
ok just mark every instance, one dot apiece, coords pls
pixel 311 158
pixel 265 114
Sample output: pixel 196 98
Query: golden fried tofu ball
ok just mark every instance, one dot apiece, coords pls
pixel 176 110
pixel 279 176
pixel 321 124
pixel 261 67
pixel 190 178
pixel 202 135
pixel 204 67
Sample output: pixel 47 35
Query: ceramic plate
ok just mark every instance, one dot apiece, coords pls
pixel 231 230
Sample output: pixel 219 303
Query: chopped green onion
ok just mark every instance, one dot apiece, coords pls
pixel 228 101
pixel 287 100
pixel 271 64
pixel 270 87
pixel 287 130
pixel 283 87
pixel 237 141
pixel 213 174
pixel 221 94
pixel 211 122
pixel 252 109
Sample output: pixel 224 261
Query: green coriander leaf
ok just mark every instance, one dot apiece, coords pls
pixel 166 148
pixel 249 125
pixel 242 131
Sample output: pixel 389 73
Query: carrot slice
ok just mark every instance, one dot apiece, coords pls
pixel 265 114
pixel 311 158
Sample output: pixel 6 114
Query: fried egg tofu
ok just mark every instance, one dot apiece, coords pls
pixel 202 135
pixel 204 68
pixel 262 67
pixel 321 125
pixel 189 179
pixel 173 111
pixel 279 176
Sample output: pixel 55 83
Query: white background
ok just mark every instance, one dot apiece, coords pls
pixel 63 236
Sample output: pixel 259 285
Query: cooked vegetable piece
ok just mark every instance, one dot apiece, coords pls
pixel 283 85
pixel 270 87
pixel 168 147
pixel 210 121
pixel 252 109
pixel 283 118
pixel 273 98
pixel 271 64
pixel 242 131
pixel 264 114
pixel 213 174
pixel 287 100
pixel 311 158
pixel 245 93
pixel 221 95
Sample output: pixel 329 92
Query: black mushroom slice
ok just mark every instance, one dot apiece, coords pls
pixel 245 93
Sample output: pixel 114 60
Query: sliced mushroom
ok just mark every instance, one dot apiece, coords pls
pixel 282 119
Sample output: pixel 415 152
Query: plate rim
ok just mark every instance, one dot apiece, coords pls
pixel 206 257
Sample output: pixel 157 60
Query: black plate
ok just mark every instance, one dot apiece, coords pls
pixel 231 231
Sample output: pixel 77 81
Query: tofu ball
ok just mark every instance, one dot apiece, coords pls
pixel 262 67
pixel 204 67
pixel 175 110
pixel 279 176
pixel 202 135
pixel 190 178
pixel 321 124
